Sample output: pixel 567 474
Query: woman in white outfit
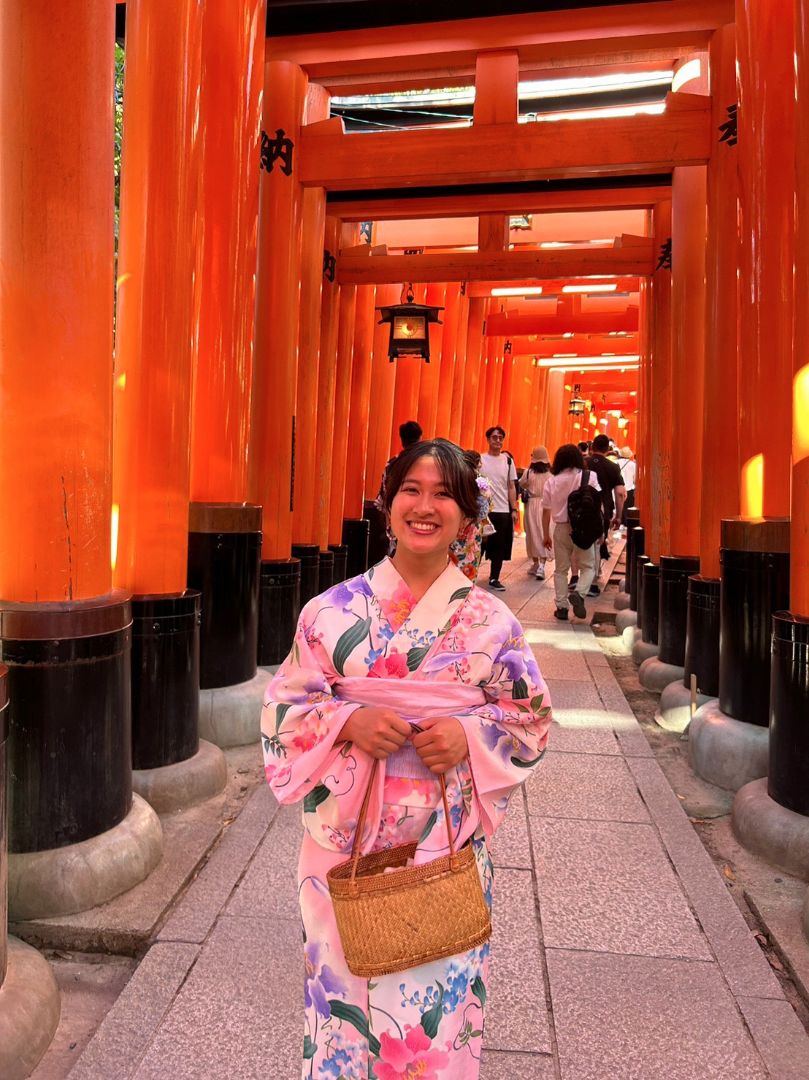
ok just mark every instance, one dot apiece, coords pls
pixel 532 483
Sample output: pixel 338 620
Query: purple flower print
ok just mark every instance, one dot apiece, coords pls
pixel 319 981
pixel 513 660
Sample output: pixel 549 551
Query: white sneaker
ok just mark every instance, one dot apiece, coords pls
pixel 540 574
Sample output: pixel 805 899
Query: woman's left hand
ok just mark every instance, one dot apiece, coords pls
pixel 441 743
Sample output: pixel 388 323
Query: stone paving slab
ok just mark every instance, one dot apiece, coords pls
pixel 496 1065
pixel 238 1016
pixel 129 1027
pixel 736 949
pixel 193 918
pixel 644 1017
pixel 779 1036
pixel 584 786
pixel 517 1010
pixel 581 738
pixel 573 694
pixel 269 888
pixel 511 844
pixel 608 887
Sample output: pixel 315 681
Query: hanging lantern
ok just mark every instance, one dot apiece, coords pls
pixel 577 405
pixel 409 327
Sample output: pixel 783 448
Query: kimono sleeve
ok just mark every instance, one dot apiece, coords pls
pixel 507 736
pixel 301 722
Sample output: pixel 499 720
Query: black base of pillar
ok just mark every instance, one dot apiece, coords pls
pixel 3 822
pixel 788 779
pixel 650 603
pixel 640 562
pixel 755 583
pixel 340 562
pixel 309 555
pixel 279 607
pixel 638 550
pixel 702 635
pixel 629 550
pixel 355 538
pixel 378 542
pixel 165 678
pixel 69 717
pixel 675 571
pixel 224 556
pixel 325 571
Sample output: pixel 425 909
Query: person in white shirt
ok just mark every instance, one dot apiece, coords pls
pixel 499 470
pixel 566 471
pixel 629 469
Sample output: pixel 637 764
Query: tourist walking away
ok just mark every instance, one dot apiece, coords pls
pixel 629 470
pixel 396 678
pixel 467 551
pixel 613 494
pixel 564 496
pixel 498 468
pixel 532 483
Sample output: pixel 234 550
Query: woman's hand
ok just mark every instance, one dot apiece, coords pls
pixel 379 732
pixel 441 743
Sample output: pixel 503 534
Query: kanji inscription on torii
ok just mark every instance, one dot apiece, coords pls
pixel 730 128
pixel 278 149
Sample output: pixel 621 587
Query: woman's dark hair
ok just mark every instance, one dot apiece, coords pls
pixel 567 457
pixel 539 466
pixel 456 470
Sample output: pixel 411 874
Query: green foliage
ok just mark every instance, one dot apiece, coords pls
pixel 118 99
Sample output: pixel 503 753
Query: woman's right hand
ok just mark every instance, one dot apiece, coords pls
pixel 379 732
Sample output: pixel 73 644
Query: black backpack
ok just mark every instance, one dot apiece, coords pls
pixel 585 513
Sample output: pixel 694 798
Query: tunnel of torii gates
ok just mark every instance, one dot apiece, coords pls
pixel 170 505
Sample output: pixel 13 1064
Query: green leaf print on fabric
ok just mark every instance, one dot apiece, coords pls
pixel 432 1018
pixel 347 643
pixel 519 691
pixel 479 989
pixel 428 828
pixel 315 797
pixel 280 713
pixel 536 702
pixel 461 594
pixel 520 764
pixel 309 1048
pixel 416 655
pixel 353 1015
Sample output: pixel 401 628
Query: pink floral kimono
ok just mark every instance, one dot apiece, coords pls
pixel 457 651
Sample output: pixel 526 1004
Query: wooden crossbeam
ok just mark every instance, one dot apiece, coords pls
pixel 403 206
pixel 502 324
pixel 550 288
pixel 584 345
pixel 505 152
pixel 496 266
pixel 543 38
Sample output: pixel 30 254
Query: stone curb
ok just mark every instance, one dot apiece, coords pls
pixel 771 831
pixel 231 715
pixel 185 783
pixel 726 752
pixel 655 674
pixel 674 708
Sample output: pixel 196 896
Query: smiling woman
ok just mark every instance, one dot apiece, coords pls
pixel 396 678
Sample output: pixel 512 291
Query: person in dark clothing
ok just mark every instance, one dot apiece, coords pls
pixel 613 495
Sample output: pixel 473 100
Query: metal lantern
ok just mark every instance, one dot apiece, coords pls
pixel 577 405
pixel 409 327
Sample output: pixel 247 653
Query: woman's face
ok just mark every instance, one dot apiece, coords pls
pixel 424 517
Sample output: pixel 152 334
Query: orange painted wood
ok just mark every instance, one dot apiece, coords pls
pixel 495 266
pixel 56 228
pixel 449 333
pixel 380 402
pixel 582 344
pixel 342 406
pixel 496 76
pixel 643 447
pixel 326 391
pixel 472 372
pixel 408 371
pixel 523 381
pixel 549 286
pixel 506 391
pixel 721 464
pixel 566 148
pixel 498 377
pixel 765 44
pixel 155 315
pixel 799 528
pixel 430 375
pixel 660 397
pixel 549 37
pixel 277 300
pixel 506 203
pixel 230 92
pixel 357 453
pixel 509 325
pixel 688 216
pixel 458 376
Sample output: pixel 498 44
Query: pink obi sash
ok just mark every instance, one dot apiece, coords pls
pixel 412 700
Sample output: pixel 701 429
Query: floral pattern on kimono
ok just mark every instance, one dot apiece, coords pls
pixel 370 637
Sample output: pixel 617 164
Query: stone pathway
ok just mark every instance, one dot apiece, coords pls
pixel 617 950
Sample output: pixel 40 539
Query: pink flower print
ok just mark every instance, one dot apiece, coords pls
pixel 398 606
pixel 393 666
pixel 409 1058
pixel 278 775
pixel 310 730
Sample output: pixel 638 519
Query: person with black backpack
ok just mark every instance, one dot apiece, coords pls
pixel 572 498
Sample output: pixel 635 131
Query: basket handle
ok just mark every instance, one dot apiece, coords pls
pixel 355 847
